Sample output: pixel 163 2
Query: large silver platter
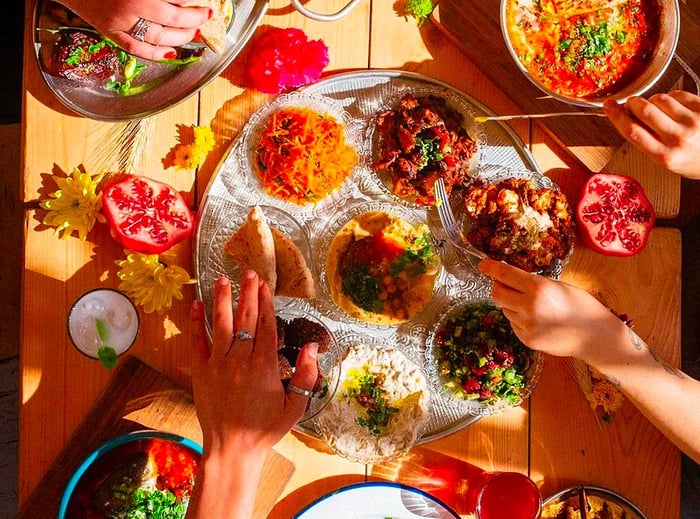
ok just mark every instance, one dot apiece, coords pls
pixel 174 84
pixel 362 94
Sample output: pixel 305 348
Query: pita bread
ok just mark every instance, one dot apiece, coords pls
pixel 293 276
pixel 213 32
pixel 252 247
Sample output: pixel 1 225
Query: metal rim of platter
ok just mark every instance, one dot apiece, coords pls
pixel 362 93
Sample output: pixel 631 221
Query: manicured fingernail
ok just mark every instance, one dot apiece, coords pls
pixel 312 349
pixel 211 13
pixel 170 54
pixel 222 281
pixel 249 274
pixel 197 33
pixel 195 310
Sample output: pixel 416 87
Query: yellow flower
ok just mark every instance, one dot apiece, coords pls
pixel 186 156
pixel 75 206
pixel 204 139
pixel 606 395
pixel 150 283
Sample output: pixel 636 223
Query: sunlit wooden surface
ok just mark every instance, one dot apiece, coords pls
pixel 553 437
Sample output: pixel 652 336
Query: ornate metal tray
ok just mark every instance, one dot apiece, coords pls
pixel 231 193
pixel 171 84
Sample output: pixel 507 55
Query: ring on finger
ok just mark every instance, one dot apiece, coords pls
pixel 140 29
pixel 299 390
pixel 244 335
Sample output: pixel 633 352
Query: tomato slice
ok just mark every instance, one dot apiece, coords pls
pixel 145 215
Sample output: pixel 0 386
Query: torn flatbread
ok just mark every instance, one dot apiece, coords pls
pixel 252 247
pixel 213 32
pixel 293 275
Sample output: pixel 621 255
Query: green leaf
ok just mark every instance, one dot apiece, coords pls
pixel 102 330
pixel 107 356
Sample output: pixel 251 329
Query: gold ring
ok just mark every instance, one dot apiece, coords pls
pixel 298 390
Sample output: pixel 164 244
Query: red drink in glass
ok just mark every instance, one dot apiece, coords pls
pixel 509 495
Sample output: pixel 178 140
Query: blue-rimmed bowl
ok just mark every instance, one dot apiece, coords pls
pixel 96 455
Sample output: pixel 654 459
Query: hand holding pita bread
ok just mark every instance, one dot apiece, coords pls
pixel 241 404
pixel 150 29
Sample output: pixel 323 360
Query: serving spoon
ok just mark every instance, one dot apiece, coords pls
pixel 486 118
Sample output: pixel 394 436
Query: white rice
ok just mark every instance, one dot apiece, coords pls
pixel 338 421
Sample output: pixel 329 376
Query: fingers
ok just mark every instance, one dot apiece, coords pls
pixel 200 345
pixel 305 376
pixel 508 275
pixel 631 129
pixel 246 315
pixel 266 333
pixel 222 318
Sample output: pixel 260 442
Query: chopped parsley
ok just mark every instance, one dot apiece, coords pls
pixel 368 392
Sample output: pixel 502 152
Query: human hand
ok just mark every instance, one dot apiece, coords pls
pixel 666 127
pixel 240 401
pixel 171 24
pixel 552 316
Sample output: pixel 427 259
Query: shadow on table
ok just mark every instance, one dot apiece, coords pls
pixel 303 496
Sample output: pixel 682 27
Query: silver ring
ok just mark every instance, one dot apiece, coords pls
pixel 243 335
pixel 140 29
pixel 298 390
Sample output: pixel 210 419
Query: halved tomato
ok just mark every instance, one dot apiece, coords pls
pixel 145 215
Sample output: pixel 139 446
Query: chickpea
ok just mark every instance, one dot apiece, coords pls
pixel 383 295
pixel 391 289
pixel 387 280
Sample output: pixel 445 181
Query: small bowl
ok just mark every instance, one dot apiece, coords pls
pixel 453 390
pixel 252 133
pixel 454 102
pixel 327 260
pixel 572 495
pixel 328 360
pixel 338 424
pixel 105 460
pixel 495 176
pixel 645 79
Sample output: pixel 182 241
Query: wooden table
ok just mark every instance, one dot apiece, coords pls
pixel 554 437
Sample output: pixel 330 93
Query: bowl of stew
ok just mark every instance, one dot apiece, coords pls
pixel 584 52
pixel 133 473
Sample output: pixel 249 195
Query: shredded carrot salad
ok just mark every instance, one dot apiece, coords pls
pixel 302 156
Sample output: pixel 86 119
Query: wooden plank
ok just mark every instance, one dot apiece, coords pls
pixel 630 456
pixel 138 398
pixel 475 28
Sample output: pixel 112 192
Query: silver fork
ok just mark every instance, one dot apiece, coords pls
pixel 454 233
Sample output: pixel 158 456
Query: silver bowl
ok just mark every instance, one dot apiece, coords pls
pixel 659 62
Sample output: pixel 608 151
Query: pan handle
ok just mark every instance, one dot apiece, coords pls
pixel 324 17
pixel 688 70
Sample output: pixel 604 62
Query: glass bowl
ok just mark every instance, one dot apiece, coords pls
pixel 405 388
pixel 254 129
pixel 496 379
pixel 329 250
pixel 459 105
pixel 523 248
pixel 296 327
pixel 219 263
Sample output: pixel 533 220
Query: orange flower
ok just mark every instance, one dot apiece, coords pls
pixel 606 395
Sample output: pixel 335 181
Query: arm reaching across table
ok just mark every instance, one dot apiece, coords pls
pixel 666 127
pixel 562 320
pixel 240 401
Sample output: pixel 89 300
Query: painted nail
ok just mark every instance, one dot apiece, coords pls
pixel 170 54
pixel 197 34
pixel 211 13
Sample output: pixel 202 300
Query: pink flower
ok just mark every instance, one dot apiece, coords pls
pixel 283 59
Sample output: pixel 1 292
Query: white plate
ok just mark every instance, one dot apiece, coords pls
pixel 377 500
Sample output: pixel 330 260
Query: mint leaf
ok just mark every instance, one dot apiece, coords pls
pixel 107 356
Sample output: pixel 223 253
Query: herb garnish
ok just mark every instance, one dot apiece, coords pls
pixel 152 502
pixel 370 395
pixel 106 354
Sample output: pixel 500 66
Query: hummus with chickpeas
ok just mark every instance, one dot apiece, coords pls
pixel 382 269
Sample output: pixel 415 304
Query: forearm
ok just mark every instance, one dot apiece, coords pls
pixel 666 396
pixel 226 486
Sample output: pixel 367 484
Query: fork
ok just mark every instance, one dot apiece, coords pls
pixel 454 233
